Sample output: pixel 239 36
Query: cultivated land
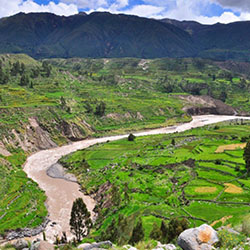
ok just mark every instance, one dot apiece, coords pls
pixel 164 180
pixel 69 100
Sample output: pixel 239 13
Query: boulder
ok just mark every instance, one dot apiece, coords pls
pixel 98 245
pixel 44 245
pixel 41 245
pixel 20 244
pixel 165 247
pixel 199 238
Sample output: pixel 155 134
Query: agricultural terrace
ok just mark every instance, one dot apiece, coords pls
pixel 165 176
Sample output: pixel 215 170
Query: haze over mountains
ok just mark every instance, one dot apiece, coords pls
pixel 101 34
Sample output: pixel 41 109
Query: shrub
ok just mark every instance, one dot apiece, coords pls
pixel 131 137
pixel 229 240
pixel 246 225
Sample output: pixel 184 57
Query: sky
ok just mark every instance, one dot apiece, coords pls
pixel 203 11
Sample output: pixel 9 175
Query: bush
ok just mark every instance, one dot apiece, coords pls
pixel 246 225
pixel 131 137
pixel 229 240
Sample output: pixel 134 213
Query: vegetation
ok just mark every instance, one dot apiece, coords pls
pixel 171 187
pixel 45 35
pixel 246 156
pixel 80 222
pixel 75 98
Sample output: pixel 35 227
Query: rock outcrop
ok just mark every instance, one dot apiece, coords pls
pixel 204 105
pixel 199 238
pixel 26 232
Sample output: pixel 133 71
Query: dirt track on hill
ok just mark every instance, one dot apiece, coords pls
pixel 61 193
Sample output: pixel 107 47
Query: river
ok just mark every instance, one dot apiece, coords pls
pixel 61 193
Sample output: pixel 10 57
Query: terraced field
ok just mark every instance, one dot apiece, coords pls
pixel 168 176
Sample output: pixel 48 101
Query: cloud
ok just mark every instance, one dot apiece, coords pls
pixel 145 10
pixel 11 7
pixel 193 9
pixel 87 4
pixel 242 5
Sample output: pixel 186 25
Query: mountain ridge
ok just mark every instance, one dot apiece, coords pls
pixel 102 34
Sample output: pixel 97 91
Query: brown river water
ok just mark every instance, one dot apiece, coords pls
pixel 61 193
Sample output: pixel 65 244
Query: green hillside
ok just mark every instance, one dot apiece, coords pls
pixel 55 101
pixel 106 35
pixel 165 177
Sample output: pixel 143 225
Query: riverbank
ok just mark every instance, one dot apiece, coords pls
pixel 62 193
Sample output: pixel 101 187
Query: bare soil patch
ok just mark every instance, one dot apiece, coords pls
pixel 232 189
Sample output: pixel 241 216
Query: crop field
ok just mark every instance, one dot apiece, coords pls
pixel 134 96
pixel 185 178
pixel 21 200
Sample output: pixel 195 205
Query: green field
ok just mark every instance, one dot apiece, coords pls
pixel 136 95
pixel 164 179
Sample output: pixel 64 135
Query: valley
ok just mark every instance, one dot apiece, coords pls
pixel 61 193
pixel 51 108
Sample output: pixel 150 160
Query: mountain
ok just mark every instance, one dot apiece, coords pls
pixel 101 34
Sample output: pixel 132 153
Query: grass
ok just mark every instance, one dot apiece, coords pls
pixel 157 176
pixel 135 99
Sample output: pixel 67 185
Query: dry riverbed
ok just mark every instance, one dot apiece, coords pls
pixel 61 193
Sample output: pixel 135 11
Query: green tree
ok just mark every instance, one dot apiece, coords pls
pixel 80 221
pixel 137 234
pixel 173 142
pixel 15 68
pixel 46 68
pixel 131 137
pixel 223 95
pixel 88 108
pixel 24 81
pixel 115 196
pixel 246 156
pixel 22 68
pixel 111 232
pixel 100 109
pixel 176 227
pixel 164 232
pixel 126 193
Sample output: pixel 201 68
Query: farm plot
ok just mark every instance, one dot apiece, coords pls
pixel 165 176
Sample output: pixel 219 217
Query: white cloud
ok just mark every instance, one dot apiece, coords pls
pixel 87 4
pixel 11 7
pixel 145 10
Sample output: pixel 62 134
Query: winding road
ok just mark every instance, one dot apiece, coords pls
pixel 61 193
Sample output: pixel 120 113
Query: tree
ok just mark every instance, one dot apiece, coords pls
pixel 88 108
pixel 126 193
pixel 246 156
pixel 80 221
pixel 176 227
pixel 131 137
pixel 111 232
pixel 100 109
pixel 223 95
pixel 24 81
pixel 46 68
pixel 137 234
pixel 164 232
pixel 173 142
pixel 15 68
pixel 115 196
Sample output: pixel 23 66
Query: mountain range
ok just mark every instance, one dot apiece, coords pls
pixel 102 34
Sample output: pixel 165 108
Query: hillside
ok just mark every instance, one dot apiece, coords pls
pixel 94 35
pixel 101 34
pixel 57 101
